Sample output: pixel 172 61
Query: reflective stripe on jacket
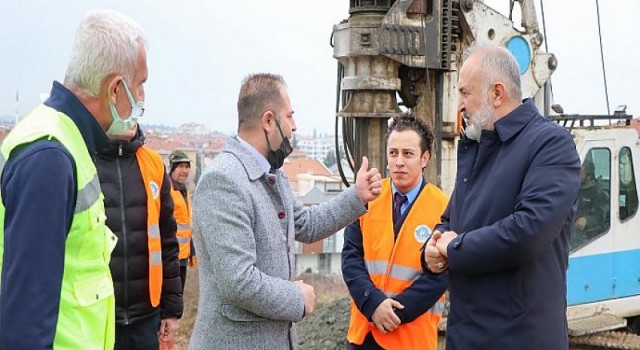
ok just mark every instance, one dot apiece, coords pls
pixel 86 314
pixel 182 214
pixel 152 170
pixel 394 265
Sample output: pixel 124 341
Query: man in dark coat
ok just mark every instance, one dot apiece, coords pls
pixel 126 198
pixel 504 237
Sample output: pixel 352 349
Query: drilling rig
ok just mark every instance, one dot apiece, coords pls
pixel 406 54
pixel 395 55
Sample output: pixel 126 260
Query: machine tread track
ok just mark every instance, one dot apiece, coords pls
pixel 609 340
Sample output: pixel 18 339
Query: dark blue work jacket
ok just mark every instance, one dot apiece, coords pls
pixel 512 206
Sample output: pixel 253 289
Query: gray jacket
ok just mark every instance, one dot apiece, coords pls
pixel 245 221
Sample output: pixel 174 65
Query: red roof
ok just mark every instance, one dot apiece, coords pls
pixel 165 144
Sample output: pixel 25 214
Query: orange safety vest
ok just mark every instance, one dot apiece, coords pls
pixel 394 265
pixel 152 170
pixel 182 213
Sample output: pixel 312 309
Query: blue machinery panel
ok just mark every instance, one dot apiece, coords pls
pixel 599 277
pixel 519 47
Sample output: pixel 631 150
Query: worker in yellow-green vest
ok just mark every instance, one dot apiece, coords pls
pixel 180 165
pixel 56 289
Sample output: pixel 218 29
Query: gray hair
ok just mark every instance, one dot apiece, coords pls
pixel 497 64
pixel 258 93
pixel 106 42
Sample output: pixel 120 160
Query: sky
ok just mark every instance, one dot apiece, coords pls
pixel 200 50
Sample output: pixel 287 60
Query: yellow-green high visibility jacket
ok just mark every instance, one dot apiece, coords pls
pixel 86 315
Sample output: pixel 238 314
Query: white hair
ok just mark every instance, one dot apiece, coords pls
pixel 497 64
pixel 107 42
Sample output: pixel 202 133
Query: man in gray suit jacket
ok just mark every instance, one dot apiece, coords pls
pixel 246 220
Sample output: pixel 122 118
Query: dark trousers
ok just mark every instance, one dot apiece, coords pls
pixel 183 276
pixel 141 335
pixel 369 343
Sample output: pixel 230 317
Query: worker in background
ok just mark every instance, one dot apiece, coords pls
pixel 393 304
pixel 144 265
pixel 180 165
pixel 56 288
pixel 139 208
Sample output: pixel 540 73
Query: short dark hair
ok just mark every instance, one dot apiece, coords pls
pixel 409 121
pixel 258 93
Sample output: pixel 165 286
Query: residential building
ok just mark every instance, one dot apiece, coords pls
pixel 317 148
pixel 322 257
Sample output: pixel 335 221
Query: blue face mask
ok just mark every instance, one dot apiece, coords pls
pixel 120 126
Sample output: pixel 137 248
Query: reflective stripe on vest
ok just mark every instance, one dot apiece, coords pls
pixel 86 312
pixel 88 195
pixel 182 214
pixel 393 265
pixel 152 170
pixel 399 272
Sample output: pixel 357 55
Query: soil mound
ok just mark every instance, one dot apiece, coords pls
pixel 326 328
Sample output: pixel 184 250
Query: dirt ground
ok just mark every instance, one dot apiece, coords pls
pixel 190 297
pixel 325 329
pixel 326 325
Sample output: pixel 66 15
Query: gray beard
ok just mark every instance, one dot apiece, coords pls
pixel 479 122
pixel 473 132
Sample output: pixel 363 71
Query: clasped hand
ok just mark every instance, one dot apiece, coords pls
pixel 384 318
pixel 435 252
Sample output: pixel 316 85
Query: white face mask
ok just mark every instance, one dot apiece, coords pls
pixel 127 126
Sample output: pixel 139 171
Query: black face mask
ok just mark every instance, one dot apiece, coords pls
pixel 276 157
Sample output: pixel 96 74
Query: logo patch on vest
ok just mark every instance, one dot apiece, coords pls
pixel 422 233
pixel 155 190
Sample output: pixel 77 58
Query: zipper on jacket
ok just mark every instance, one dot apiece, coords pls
pixel 124 239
